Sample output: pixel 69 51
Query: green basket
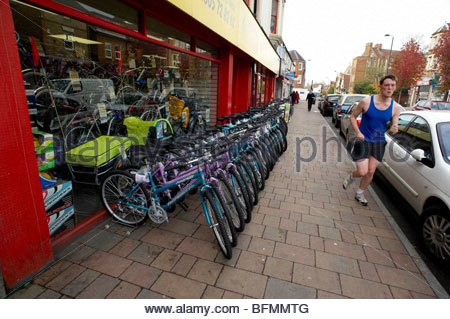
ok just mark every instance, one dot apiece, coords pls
pixel 137 129
pixel 98 151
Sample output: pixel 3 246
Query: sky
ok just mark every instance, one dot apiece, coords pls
pixel 331 33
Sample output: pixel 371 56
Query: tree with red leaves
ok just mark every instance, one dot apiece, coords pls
pixel 408 65
pixel 442 53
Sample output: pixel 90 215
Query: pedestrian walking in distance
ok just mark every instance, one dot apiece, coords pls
pixel 311 99
pixel 293 97
pixel 369 144
pixel 297 96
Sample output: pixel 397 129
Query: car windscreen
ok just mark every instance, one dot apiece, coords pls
pixel 443 130
pixel 333 98
pixel 441 105
pixel 353 99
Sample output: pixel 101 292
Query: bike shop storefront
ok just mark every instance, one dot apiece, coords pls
pixel 104 73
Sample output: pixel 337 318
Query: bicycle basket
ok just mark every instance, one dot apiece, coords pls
pixel 137 129
pixel 98 151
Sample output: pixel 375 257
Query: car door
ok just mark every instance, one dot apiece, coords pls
pixel 345 121
pixel 398 143
pixel 412 175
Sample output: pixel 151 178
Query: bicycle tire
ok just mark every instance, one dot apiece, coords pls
pixel 239 184
pixel 236 210
pixel 254 187
pixel 283 139
pixel 225 211
pixel 132 216
pixel 259 171
pixel 217 224
pixel 263 160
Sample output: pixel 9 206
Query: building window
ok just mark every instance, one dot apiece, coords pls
pixel 299 79
pixel 68 41
pixel 435 64
pixel 174 59
pixel 300 66
pixel 117 52
pixel 273 21
pixel 108 50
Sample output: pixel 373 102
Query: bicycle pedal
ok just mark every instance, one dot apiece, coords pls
pixel 183 206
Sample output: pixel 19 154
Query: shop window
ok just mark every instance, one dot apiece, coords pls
pixel 162 32
pixel 87 93
pixel 114 11
pixel 108 50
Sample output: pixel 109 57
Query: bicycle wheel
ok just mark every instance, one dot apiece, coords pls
pixel 263 159
pixel 217 223
pixel 234 206
pixel 77 136
pixel 241 193
pixel 257 169
pixel 224 210
pixel 250 180
pixel 125 200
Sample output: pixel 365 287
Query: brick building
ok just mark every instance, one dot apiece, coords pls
pixel 300 69
pixel 371 65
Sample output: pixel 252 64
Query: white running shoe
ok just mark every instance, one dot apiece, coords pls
pixel 347 181
pixel 361 199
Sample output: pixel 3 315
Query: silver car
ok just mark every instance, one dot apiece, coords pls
pixel 346 128
pixel 417 164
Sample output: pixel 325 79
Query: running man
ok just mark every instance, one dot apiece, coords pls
pixel 370 143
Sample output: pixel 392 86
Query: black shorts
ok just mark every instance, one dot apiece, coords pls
pixel 360 149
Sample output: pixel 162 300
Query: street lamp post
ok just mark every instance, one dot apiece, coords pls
pixel 390 51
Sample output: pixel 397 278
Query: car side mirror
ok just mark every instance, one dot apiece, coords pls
pixel 418 154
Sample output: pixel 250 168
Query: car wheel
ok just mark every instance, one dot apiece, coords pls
pixel 436 233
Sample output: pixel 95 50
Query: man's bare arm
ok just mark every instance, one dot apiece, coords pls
pixel 395 115
pixel 360 108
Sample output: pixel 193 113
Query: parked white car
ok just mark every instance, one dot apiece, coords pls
pixel 417 164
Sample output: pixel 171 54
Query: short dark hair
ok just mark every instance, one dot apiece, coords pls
pixel 388 76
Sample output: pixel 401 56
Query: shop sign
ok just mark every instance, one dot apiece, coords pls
pixel 232 20
pixel 290 75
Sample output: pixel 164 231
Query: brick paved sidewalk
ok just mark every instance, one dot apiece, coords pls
pixel 308 239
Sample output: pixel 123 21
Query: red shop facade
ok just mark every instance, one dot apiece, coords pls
pixel 62 58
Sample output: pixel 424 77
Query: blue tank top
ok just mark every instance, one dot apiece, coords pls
pixel 373 122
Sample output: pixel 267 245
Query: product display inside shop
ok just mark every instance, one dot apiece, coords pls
pixel 99 99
